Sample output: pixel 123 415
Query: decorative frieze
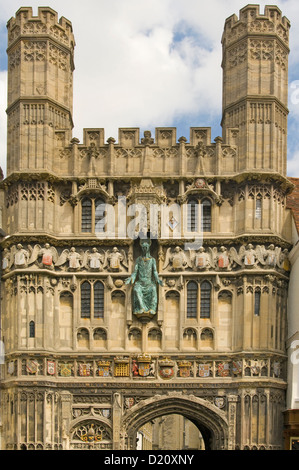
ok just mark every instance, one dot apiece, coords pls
pixel 150 367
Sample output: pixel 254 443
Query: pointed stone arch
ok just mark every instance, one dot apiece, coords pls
pixel 210 420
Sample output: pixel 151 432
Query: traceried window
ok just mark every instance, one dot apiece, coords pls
pixel 205 299
pixel 192 216
pixel 257 303
pixel 92 300
pixel 86 217
pixel 206 215
pixel 92 215
pixel 192 299
pixel 98 307
pixel 85 300
pixel 258 209
pixel 193 223
pixel 32 329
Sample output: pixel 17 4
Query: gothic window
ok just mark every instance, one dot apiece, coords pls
pixel 192 299
pixel 92 215
pixel 98 292
pixel 258 209
pixel 32 329
pixel 86 215
pixel 193 215
pixel 92 300
pixel 85 300
pixel 206 215
pixel 205 299
pixel 99 215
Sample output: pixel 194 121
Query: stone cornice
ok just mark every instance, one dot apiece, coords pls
pixel 239 178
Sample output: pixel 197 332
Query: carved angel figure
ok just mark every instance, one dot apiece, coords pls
pixel 236 259
pixel 115 259
pixel 71 257
pixel 283 261
pixel 7 259
pixel 249 255
pixel 223 260
pixel 94 259
pixel 177 258
pixel 19 256
pixel 204 260
pixel 48 255
pixel 272 255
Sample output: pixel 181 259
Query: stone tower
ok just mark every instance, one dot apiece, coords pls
pixel 40 92
pixel 82 365
pixel 255 56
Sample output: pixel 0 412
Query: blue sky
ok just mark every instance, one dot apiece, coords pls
pixel 151 63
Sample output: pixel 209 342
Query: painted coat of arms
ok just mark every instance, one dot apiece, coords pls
pixel 84 369
pixel 103 369
pixel 237 368
pixel 166 369
pixel 65 369
pixel 203 370
pixel 144 369
pixel 184 369
pixel 32 366
pixel 51 367
pixel 223 369
pixel 143 366
pixel 11 367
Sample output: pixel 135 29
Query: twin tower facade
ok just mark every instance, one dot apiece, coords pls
pixel 82 369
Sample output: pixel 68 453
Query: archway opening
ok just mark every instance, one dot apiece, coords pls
pixel 209 420
pixel 171 432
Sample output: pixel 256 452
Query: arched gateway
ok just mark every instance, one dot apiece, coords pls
pixel 210 420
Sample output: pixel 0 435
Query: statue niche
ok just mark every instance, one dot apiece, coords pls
pixel 144 279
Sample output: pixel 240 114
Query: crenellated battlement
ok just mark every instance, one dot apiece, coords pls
pixel 251 22
pixel 46 23
pixel 164 137
pixel 162 154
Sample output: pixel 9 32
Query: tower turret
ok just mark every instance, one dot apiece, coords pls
pixel 40 91
pixel 255 87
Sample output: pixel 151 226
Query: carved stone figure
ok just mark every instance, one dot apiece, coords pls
pixel 283 261
pixel 144 279
pixel 72 257
pixel 94 260
pixel 48 255
pixel 115 259
pixel 272 256
pixel 21 257
pixel 177 258
pixel 6 259
pixel 223 260
pixel 249 256
pixel 202 259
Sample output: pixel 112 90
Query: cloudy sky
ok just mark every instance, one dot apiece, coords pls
pixel 151 63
